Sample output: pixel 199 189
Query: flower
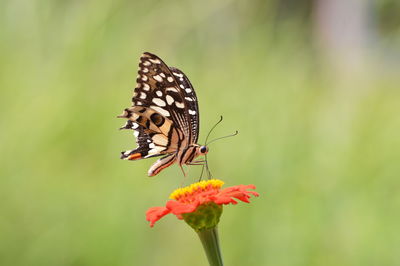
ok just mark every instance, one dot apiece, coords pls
pixel 200 204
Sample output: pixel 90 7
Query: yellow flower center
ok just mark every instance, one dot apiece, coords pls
pixel 196 187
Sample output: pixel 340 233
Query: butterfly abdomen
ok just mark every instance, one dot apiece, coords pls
pixel 161 164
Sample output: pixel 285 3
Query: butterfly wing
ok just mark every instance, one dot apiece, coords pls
pixel 143 140
pixel 191 103
pixel 153 133
pixel 164 114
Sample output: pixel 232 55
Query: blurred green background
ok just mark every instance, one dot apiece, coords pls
pixel 312 87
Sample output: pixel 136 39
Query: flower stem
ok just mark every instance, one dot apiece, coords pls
pixel 210 241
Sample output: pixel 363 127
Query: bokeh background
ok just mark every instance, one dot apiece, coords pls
pixel 312 87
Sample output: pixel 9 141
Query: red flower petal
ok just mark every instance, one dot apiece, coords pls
pixel 156 213
pixel 222 199
pixel 239 192
pixel 177 207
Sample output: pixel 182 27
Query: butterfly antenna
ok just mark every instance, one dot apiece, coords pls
pixel 211 130
pixel 228 136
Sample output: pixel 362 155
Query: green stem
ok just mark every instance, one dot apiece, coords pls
pixel 209 239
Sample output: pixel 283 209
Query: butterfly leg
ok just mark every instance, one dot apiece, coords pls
pixel 183 171
pixel 205 166
pixel 201 174
pixel 194 163
pixel 198 162
pixel 184 176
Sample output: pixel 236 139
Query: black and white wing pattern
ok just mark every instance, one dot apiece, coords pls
pixel 190 99
pixel 164 114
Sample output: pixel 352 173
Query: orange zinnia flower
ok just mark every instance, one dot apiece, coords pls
pixel 200 204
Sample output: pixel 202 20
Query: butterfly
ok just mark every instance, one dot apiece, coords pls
pixel 164 117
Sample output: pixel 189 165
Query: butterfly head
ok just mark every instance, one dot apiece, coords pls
pixel 203 150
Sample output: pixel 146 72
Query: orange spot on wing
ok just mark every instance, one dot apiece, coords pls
pixel 135 156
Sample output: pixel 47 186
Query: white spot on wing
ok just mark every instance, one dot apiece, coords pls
pixel 155 61
pixel 170 79
pixel 156 150
pixel 181 86
pixel 177 74
pixel 143 95
pixel 188 90
pixel 146 63
pixel 169 99
pixel 135 125
pixel 160 110
pixel 189 99
pixel 162 75
pixel 136 133
pixel 179 105
pixel 138 103
pixel 191 112
pixel 144 78
pixel 153 151
pixel 145 70
pixel 159 93
pixel 171 89
pixel 159 102
pixel 158 78
pixel 146 87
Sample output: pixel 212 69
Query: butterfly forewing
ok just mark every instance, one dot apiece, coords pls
pixel 157 88
pixel 191 105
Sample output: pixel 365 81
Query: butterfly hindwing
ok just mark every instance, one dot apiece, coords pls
pixel 153 132
pixel 142 139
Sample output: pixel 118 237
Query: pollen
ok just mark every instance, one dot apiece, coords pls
pixel 196 188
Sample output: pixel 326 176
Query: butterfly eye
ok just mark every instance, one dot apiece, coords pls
pixel 203 149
